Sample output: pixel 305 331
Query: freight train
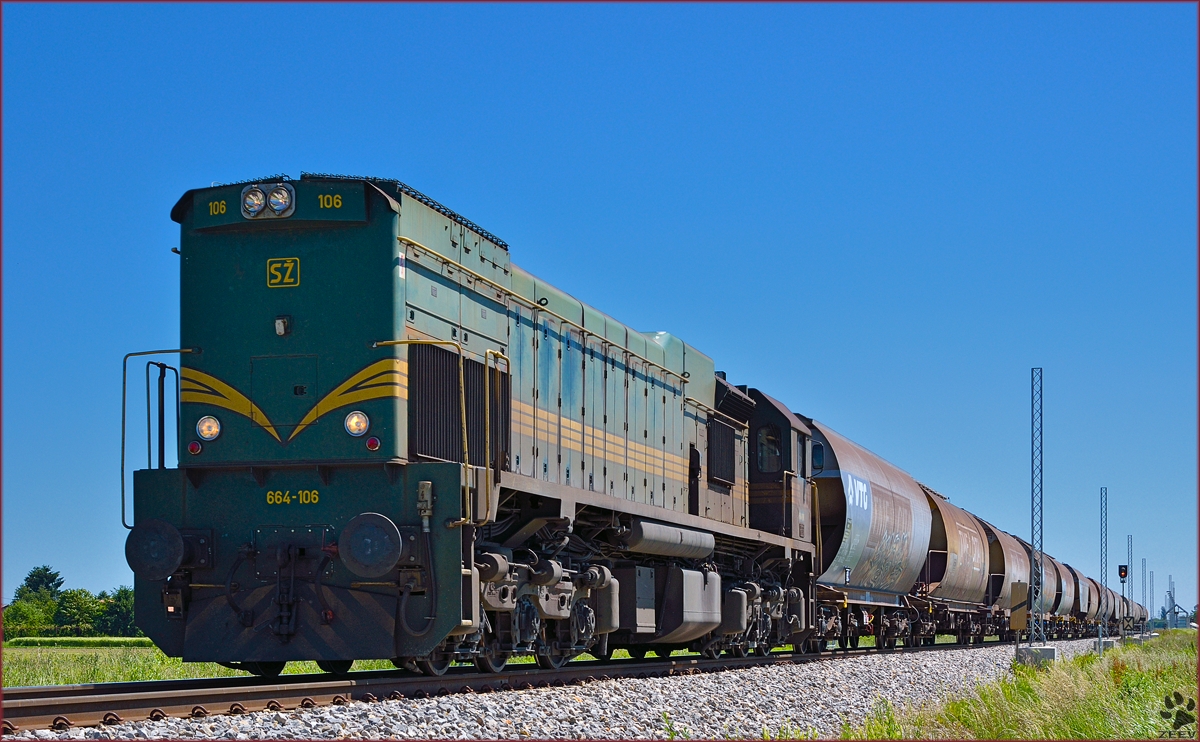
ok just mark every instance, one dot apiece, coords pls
pixel 395 443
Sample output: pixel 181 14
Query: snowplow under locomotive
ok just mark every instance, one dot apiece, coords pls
pixel 396 444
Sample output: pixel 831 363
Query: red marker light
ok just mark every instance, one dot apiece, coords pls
pixel 372 444
pixel 194 447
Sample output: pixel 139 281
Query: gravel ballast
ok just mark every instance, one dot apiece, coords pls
pixel 813 698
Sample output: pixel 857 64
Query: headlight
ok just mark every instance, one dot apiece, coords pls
pixel 357 423
pixel 208 427
pixel 253 201
pixel 280 200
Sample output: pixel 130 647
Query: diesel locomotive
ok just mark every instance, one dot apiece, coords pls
pixel 395 443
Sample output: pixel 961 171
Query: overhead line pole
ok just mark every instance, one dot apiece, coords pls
pixel 1103 558
pixel 1037 626
pixel 1129 567
pixel 1144 604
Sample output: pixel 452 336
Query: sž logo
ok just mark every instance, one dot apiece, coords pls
pixel 1178 715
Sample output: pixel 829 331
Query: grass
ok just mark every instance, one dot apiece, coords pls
pixel 96 662
pixel 79 641
pixel 1117 696
pixel 25 666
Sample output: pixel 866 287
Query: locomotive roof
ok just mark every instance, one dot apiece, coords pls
pixel 401 189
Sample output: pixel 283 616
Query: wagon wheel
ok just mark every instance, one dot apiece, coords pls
pixel 335 667
pixel 551 661
pixel 490 658
pixel 434 665
pixel 264 669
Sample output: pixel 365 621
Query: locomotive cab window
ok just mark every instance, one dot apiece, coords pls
pixel 770 449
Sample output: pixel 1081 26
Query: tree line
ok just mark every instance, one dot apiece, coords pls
pixel 40 607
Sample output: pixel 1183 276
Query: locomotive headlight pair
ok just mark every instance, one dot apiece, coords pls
pixel 254 200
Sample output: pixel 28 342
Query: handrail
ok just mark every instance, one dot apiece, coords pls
pixel 162 370
pixel 539 308
pixel 818 568
pixel 487 423
pixel 124 380
pixel 462 407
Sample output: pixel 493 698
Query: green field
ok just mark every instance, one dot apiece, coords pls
pixel 1118 696
pixel 79 641
pixel 59 665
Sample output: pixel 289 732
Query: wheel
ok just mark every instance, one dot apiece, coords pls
pixel 434 665
pixel 737 650
pixel 335 667
pixel 637 653
pixel 843 642
pixel 264 669
pixel 551 661
pixel 763 650
pixel 490 659
pixel 711 653
pixel 854 641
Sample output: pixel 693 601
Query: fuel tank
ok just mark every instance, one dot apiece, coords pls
pixel 1007 563
pixel 957 566
pixel 875 520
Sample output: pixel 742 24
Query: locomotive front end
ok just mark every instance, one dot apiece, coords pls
pixel 293 528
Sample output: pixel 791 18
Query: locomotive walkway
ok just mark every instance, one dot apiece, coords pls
pixel 63 707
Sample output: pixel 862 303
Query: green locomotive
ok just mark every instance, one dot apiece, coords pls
pixel 396 444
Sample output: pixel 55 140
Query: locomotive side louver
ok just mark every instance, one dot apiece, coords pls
pixel 434 418
pixel 733 401
pixel 722 460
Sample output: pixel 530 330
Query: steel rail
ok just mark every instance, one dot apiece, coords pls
pixel 63 707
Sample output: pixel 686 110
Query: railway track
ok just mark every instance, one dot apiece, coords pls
pixel 66 706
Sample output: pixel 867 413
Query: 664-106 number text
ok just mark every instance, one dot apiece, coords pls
pixel 285 497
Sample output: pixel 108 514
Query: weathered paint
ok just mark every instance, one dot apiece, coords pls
pixel 1008 563
pixel 885 534
pixel 965 578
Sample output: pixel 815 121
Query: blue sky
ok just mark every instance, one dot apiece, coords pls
pixel 883 215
